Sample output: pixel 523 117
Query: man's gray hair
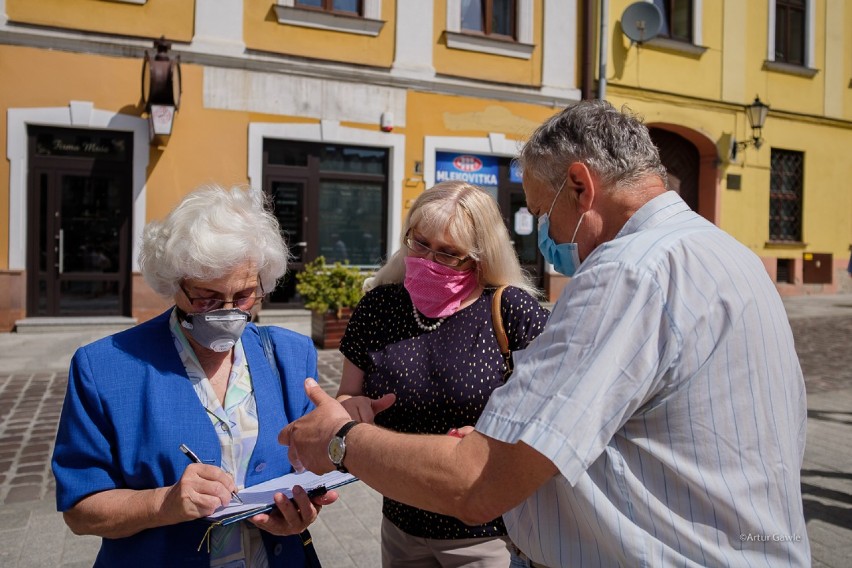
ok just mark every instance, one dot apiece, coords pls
pixel 615 145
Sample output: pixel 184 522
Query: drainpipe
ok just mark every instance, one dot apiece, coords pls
pixel 603 54
pixel 587 71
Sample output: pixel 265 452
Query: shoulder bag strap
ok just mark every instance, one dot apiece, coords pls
pixel 500 332
pixel 311 558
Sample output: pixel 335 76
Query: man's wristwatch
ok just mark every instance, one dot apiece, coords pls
pixel 337 446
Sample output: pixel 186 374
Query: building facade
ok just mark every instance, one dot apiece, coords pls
pixel 344 111
pixel 786 196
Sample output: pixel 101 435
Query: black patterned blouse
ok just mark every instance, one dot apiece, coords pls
pixel 442 378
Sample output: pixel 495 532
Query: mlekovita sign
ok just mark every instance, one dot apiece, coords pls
pixel 470 168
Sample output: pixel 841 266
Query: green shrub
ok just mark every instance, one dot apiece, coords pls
pixel 329 287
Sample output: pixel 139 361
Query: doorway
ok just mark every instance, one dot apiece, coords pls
pixel 79 205
pixel 523 229
pixel 682 162
pixel 330 201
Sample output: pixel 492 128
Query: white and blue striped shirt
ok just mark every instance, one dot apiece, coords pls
pixel 667 391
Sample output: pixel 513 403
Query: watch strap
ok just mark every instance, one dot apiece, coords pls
pixel 341 434
pixel 345 428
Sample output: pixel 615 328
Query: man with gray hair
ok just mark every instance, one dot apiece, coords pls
pixel 660 417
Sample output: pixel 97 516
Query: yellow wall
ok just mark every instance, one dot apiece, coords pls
pixel 744 213
pixel 264 33
pixel 111 83
pixel 206 146
pixel 484 66
pixel 171 18
pixel 827 201
pixel 783 90
pixel 705 93
pixel 646 66
pixel 430 114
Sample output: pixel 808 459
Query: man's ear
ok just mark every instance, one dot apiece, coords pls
pixel 582 184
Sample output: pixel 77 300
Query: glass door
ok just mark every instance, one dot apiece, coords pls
pixel 81 265
pixel 288 201
pixel 352 216
pixel 523 231
pixel 522 225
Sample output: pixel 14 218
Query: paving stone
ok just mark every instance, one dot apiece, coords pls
pixel 347 533
pixel 11 543
pixel 21 493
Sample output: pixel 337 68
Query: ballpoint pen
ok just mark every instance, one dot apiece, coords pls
pixel 195 459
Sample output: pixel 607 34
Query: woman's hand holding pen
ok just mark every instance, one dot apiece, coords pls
pixel 201 489
pixel 293 515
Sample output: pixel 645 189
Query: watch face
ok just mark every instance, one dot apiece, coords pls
pixel 336 450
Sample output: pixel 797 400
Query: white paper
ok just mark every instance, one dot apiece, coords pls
pixel 262 494
pixel 523 222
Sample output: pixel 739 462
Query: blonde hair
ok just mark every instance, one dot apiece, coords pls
pixel 469 216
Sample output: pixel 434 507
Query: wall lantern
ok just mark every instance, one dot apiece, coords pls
pixel 756 113
pixel 161 89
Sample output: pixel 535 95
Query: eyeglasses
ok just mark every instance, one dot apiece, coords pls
pixel 444 258
pixel 244 303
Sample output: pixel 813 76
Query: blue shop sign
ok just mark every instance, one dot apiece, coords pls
pixel 473 169
pixel 516 175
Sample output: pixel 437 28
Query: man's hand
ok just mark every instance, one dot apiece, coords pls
pixel 308 436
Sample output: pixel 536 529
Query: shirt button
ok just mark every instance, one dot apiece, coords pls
pixel 278 548
pixel 260 467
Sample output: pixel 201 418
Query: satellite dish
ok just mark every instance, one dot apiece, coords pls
pixel 641 21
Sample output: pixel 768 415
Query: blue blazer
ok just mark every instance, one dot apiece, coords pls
pixel 130 405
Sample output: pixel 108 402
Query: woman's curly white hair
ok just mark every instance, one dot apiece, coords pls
pixel 210 233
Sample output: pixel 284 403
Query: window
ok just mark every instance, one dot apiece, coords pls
pixel 351 7
pixel 785 195
pixel 361 17
pixel 499 27
pixel 784 271
pixel 489 17
pixel 331 200
pixel 790 31
pixel 677 19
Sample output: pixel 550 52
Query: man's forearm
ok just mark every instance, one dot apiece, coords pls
pixel 475 478
pixel 443 474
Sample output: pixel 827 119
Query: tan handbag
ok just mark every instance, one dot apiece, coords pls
pixel 500 332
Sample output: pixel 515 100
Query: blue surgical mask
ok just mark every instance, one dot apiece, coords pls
pixel 564 257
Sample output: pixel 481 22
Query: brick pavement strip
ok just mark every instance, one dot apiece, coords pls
pixel 347 534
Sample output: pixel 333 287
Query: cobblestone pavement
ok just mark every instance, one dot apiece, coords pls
pixel 33 379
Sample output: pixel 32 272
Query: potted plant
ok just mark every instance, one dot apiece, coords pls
pixel 330 292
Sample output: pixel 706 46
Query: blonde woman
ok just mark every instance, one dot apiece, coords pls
pixel 421 355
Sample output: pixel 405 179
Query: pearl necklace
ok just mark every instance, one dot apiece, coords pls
pixel 422 325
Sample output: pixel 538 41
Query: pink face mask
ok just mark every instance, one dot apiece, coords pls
pixel 437 290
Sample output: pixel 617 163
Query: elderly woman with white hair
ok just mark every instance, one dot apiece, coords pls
pixel 197 375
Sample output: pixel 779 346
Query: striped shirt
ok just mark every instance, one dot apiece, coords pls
pixel 667 391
